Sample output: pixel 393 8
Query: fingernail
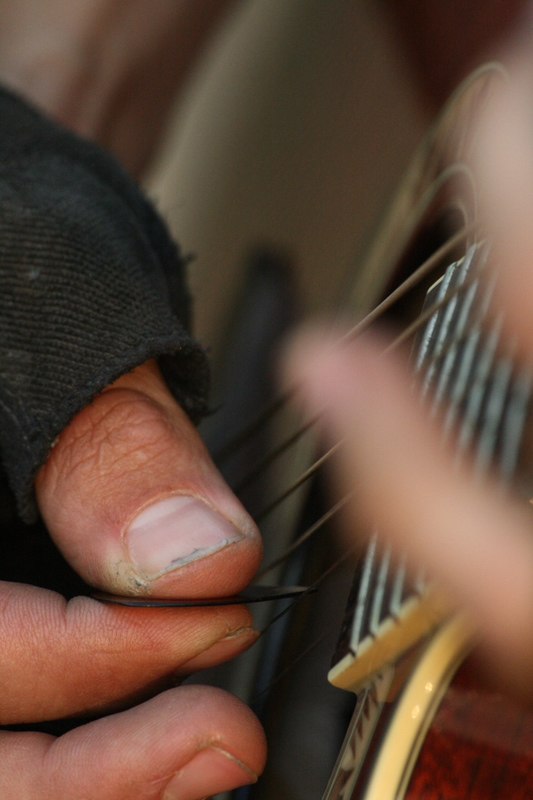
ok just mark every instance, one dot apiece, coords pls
pixel 176 531
pixel 211 771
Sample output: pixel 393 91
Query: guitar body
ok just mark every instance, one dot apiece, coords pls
pixel 479 746
pixel 428 728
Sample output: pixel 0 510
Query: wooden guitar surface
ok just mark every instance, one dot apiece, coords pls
pixel 479 746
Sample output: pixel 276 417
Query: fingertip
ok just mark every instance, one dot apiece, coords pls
pixel 189 742
pixel 134 502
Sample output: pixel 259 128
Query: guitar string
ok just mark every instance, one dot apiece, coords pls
pixel 270 410
pixel 308 473
pixel 442 339
pixel 279 677
pixel 288 669
pixel 313 468
pixel 316 526
pixel 485 71
pixel 292 606
pixel 411 329
pixel 505 393
pixel 348 553
pixel 439 357
pixel 412 281
pixel 386 304
pixel 313 645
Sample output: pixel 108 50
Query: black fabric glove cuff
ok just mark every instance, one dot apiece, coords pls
pixel 91 285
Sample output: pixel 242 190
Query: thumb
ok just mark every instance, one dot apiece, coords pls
pixel 134 502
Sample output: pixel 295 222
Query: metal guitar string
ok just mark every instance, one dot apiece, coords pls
pixel 306 535
pixel 425 268
pixel 296 660
pixel 280 402
pixel 314 586
pixel 349 553
pixel 400 339
pixel 458 333
pixel 400 292
pixel 271 409
pixel 400 574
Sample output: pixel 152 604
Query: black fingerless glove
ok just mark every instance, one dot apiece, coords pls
pixel 91 285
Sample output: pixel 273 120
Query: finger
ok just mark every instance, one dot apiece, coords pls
pixel 187 743
pixel 133 500
pixel 60 659
pixel 476 542
pixel 503 163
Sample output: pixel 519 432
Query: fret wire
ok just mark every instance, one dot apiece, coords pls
pixel 476 391
pixel 398 586
pixel 467 365
pixel 362 595
pixel 379 592
pixel 433 323
pixel 448 318
pixel 457 362
pixel 492 418
pixel 496 412
pixel 513 424
pixel 448 350
pixel 462 379
pixel 435 341
pixel 417 324
pixel 449 356
pixel 468 338
pixel 430 353
pixel 318 525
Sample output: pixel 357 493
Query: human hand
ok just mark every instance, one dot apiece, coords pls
pixel 130 449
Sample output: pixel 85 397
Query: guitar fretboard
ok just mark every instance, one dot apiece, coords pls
pixel 484 400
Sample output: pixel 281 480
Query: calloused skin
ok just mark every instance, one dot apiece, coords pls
pixel 109 70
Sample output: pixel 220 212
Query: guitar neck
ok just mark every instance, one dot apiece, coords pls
pixel 483 400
